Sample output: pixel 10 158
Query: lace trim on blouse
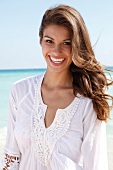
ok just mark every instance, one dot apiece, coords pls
pixel 44 139
pixel 10 162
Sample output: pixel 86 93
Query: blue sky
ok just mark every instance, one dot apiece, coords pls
pixel 20 21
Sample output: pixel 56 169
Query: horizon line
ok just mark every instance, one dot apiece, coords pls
pixel 11 69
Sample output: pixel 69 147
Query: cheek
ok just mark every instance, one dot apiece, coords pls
pixel 45 52
pixel 44 49
pixel 68 51
pixel 44 46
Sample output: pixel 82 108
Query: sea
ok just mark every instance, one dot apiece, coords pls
pixel 8 77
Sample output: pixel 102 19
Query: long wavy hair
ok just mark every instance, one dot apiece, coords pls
pixel 89 78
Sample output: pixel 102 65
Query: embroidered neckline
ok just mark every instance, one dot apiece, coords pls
pixel 44 139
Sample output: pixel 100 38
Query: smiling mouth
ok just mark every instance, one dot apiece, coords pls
pixel 56 60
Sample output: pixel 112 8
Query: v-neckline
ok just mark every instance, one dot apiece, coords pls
pixel 44 139
pixel 45 106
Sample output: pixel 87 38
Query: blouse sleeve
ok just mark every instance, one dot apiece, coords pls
pixel 94 148
pixel 11 157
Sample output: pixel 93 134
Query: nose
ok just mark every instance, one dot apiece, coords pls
pixel 57 49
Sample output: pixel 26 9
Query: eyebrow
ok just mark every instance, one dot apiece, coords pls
pixel 46 36
pixel 68 39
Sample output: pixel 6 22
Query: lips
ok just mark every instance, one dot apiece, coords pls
pixel 56 60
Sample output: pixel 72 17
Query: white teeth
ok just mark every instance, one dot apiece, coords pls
pixel 57 60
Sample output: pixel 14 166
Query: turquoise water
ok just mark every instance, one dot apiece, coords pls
pixel 8 77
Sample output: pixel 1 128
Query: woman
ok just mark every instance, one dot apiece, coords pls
pixel 57 120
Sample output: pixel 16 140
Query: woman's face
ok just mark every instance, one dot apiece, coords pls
pixel 56 48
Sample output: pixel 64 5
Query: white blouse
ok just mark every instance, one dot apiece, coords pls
pixel 76 139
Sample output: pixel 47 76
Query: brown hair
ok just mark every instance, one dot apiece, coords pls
pixel 89 78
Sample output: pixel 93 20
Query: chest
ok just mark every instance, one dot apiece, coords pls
pixel 30 127
pixel 55 100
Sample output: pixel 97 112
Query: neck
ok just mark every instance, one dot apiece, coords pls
pixel 58 80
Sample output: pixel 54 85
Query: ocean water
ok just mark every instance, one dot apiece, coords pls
pixel 8 77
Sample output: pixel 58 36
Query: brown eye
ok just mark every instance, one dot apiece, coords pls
pixel 67 43
pixel 49 41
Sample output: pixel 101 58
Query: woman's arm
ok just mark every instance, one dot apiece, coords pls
pixel 11 157
pixel 94 148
